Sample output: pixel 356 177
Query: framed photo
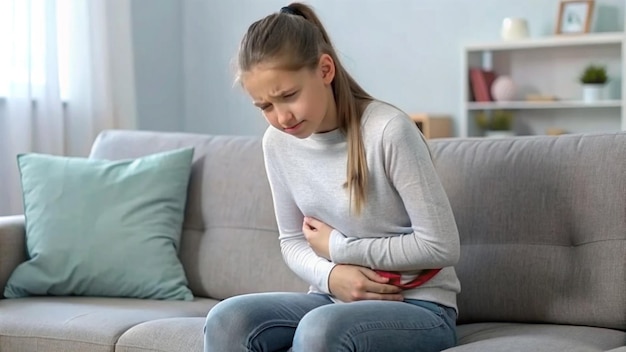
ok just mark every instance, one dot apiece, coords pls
pixel 574 16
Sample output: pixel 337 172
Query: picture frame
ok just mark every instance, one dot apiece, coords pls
pixel 575 16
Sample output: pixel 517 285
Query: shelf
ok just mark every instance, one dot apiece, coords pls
pixel 550 42
pixel 549 64
pixel 519 105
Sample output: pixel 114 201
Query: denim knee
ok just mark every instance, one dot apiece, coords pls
pixel 226 325
pixel 257 322
pixel 318 330
pixel 374 326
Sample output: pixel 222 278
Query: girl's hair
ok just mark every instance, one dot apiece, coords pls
pixel 292 39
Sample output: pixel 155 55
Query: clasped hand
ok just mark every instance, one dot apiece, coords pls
pixel 348 282
pixel 317 233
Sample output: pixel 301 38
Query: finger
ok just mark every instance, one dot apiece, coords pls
pixel 307 232
pixel 372 275
pixel 382 288
pixel 313 222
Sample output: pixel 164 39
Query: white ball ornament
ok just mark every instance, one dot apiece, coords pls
pixel 503 89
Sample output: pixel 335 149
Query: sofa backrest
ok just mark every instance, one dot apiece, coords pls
pixel 542 222
pixel 229 242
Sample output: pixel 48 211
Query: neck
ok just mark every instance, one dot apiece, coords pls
pixel 330 120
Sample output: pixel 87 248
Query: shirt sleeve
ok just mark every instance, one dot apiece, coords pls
pixel 297 253
pixel 434 242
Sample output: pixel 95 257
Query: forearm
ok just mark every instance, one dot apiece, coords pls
pixel 12 246
pixel 413 251
pixel 301 259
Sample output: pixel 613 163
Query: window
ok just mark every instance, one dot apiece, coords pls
pixel 30 52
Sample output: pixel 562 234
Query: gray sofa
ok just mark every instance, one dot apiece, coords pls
pixel 543 261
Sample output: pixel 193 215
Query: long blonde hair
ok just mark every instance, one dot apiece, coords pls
pixel 294 38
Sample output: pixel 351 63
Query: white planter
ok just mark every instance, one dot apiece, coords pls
pixel 514 28
pixel 499 134
pixel 593 92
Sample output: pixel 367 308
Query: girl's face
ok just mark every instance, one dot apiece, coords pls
pixel 296 102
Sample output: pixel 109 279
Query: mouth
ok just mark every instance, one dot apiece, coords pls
pixel 293 128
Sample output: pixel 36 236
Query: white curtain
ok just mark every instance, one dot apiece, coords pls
pixel 65 75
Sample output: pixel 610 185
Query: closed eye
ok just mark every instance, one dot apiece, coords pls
pixel 287 96
pixel 290 95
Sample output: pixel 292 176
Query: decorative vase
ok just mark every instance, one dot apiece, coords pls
pixel 514 28
pixel 592 92
pixel 503 89
pixel 498 134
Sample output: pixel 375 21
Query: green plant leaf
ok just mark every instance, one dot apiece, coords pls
pixel 594 74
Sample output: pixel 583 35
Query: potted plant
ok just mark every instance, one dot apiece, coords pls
pixel 593 79
pixel 496 124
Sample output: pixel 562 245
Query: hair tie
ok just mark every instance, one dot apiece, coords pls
pixel 291 11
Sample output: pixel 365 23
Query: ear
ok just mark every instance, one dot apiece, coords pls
pixel 326 68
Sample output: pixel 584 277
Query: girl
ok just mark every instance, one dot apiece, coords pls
pixel 361 213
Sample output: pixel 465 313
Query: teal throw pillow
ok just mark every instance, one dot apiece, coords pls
pixel 103 228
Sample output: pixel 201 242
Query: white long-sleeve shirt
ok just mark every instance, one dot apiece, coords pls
pixel 406 225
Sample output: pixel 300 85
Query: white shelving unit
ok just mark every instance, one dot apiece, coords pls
pixel 551 66
pixel 514 105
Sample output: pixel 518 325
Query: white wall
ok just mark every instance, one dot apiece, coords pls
pixel 407 52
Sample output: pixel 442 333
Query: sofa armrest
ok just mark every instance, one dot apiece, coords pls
pixel 12 246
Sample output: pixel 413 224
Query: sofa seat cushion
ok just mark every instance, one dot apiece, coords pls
pixel 66 324
pixel 186 335
pixel 164 335
pixel 487 337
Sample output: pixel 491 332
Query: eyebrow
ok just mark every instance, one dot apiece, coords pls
pixel 281 93
pixel 275 95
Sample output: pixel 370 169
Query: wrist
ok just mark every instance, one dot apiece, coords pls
pixel 330 273
pixel 335 243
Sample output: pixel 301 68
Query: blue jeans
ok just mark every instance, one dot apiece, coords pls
pixel 312 323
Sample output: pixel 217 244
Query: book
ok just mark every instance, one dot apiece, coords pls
pixel 480 82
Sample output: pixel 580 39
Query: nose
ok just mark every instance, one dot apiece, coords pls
pixel 285 117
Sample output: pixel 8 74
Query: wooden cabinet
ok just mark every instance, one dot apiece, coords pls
pixel 433 126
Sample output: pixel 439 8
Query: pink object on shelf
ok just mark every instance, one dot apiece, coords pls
pixel 503 89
